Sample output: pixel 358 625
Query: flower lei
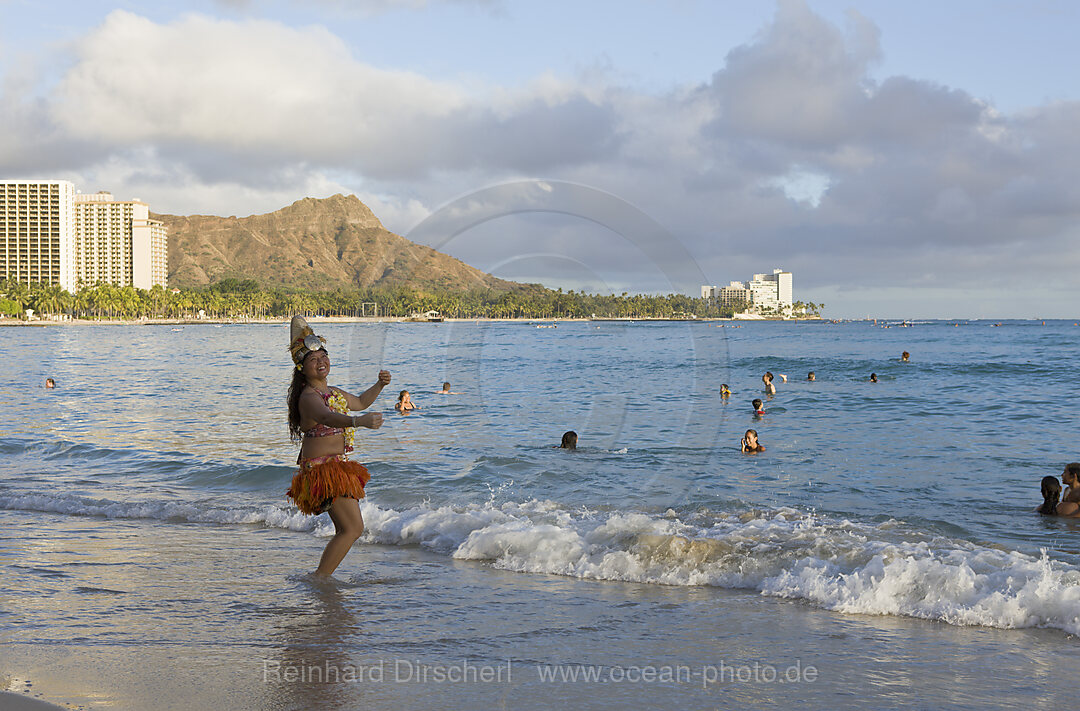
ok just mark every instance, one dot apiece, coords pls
pixel 337 403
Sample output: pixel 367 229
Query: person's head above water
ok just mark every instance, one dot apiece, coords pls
pixel 446 387
pixel 750 442
pixel 811 376
pixel 756 402
pixel 569 440
pixel 1071 475
pixel 402 395
pixel 904 356
pixel 724 389
pixel 50 383
pixel 1051 492
pixel 873 377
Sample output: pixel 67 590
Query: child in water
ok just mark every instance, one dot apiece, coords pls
pixel 750 443
pixel 810 377
pixel 569 440
pixel 904 357
pixel 770 389
pixel 759 407
pixel 724 390
pixel 405 403
pixel 1051 491
pixel 873 377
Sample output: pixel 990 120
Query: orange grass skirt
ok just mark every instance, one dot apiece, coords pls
pixel 320 480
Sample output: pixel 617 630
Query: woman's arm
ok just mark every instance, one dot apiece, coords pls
pixel 368 396
pixel 1068 508
pixel 313 409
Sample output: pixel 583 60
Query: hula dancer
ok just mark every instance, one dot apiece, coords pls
pixel 319 420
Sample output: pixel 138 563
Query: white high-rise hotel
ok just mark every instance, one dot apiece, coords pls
pixel 52 235
pixel 764 291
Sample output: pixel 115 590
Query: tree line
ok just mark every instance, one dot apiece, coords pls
pixel 246 298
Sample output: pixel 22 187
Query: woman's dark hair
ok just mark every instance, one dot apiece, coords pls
pixel 296 387
pixel 1051 491
pixel 569 440
pixel 299 382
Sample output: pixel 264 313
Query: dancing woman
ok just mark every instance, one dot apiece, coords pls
pixel 318 418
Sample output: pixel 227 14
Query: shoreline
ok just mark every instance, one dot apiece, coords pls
pixel 18 323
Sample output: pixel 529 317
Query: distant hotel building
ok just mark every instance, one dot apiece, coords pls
pixel 116 242
pixel 52 235
pixel 764 291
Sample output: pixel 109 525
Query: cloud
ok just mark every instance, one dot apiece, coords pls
pixel 256 91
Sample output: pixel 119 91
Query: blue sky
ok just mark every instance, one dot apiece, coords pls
pixel 902 159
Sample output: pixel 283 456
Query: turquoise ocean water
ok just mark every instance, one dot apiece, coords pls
pixel 885 539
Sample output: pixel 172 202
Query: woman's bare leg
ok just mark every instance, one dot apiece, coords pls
pixel 348 525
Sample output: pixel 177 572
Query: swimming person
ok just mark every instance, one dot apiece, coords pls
pixel 569 440
pixel 904 357
pixel 725 391
pixel 445 389
pixel 810 377
pixel 318 418
pixel 770 389
pixel 1070 477
pixel 759 407
pixel 750 443
pixel 1051 490
pixel 873 377
pixel 405 403
pixel 50 383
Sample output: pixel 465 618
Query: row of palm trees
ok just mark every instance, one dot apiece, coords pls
pixel 246 299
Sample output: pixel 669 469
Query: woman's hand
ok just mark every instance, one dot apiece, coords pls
pixel 371 420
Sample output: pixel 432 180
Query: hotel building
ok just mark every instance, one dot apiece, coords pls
pixel 764 291
pixel 36 231
pixel 52 235
pixel 116 242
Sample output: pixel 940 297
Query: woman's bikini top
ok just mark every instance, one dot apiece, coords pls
pixel 336 402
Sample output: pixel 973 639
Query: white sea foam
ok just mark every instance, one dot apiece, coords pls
pixel 840 565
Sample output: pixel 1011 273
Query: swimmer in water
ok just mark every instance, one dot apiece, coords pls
pixel 770 389
pixel 725 391
pixel 446 389
pixel 405 403
pixel 759 408
pixel 50 383
pixel 1051 490
pixel 750 444
pixel 810 377
pixel 904 357
pixel 873 377
pixel 569 440
pixel 1070 477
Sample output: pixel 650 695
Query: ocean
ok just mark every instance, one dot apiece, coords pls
pixel 882 552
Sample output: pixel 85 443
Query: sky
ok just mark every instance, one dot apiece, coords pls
pixel 905 160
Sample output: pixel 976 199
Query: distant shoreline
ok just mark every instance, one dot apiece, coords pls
pixel 356 319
